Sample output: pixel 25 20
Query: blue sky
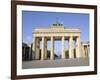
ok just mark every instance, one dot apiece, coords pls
pixel 36 19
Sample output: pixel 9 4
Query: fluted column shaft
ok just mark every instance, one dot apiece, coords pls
pixel 34 48
pixel 37 48
pixel 63 48
pixel 71 55
pixel 45 45
pixel 52 49
pixel 78 47
pixel 43 49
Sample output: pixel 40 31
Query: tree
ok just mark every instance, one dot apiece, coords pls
pixel 67 54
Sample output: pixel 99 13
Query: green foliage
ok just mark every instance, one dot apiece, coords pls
pixel 67 54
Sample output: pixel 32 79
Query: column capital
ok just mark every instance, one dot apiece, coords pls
pixel 52 36
pixel 63 36
pixel 70 36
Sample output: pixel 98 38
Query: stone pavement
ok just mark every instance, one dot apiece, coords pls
pixel 55 63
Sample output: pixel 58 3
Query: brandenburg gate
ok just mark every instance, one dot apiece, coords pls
pixel 56 32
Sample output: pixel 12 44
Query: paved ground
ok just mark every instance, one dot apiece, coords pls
pixel 55 63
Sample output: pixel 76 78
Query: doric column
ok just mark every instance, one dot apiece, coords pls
pixel 43 49
pixel 37 48
pixel 29 51
pixel 83 50
pixel 78 47
pixel 33 48
pixel 71 55
pixel 45 45
pixel 63 48
pixel 23 52
pixel 88 50
pixel 52 49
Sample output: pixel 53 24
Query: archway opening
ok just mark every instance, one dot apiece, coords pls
pixel 74 48
pixel 57 49
pixel 48 49
pixel 66 49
